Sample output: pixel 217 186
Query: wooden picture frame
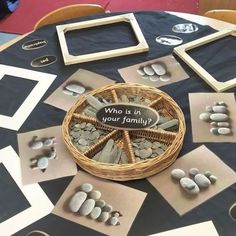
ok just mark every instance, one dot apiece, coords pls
pixel 142 45
pixel 181 51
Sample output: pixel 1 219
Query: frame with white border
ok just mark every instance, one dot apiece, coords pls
pixel 44 80
pixel 69 59
pixel 40 203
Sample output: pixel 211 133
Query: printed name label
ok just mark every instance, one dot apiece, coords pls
pixel 34 44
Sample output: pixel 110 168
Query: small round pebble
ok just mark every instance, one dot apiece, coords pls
pixel 42 163
pixel 219 109
pixel 95 194
pixel 104 216
pixel 223 124
pixel 202 181
pixel 177 174
pixel 113 221
pixel 86 187
pixel 213 178
pixel 100 203
pixel 107 208
pixel 95 213
pixel 207 173
pixel 87 207
pixel 204 116
pixel 193 171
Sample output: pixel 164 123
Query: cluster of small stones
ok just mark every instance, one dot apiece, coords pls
pixel 73 89
pixel 41 162
pixel 88 202
pixel 217 116
pixel 94 104
pixel 195 181
pixel 167 123
pixel 145 149
pixel 154 72
pixel 111 153
pixel 134 99
pixel 84 135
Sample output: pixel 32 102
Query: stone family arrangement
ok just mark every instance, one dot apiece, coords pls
pixel 88 202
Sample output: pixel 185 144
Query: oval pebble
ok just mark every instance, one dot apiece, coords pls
pixel 177 174
pixel 213 178
pixel 87 207
pixel 145 153
pixel 95 194
pixel 113 220
pixel 42 163
pixel 36 144
pixel 67 92
pixel 104 216
pixel 77 200
pixel 219 109
pixel 193 171
pixel 48 142
pixel 107 208
pixel 140 71
pixel 189 186
pixel 205 116
pixel 154 78
pixel 75 88
pixel 219 117
pixel 165 78
pixel 86 187
pixel 145 77
pixel 207 173
pixel 224 131
pixel 100 203
pixel 214 130
pixel 208 109
pixel 159 68
pixel 148 70
pixel 95 213
pixel 223 124
pixel 202 181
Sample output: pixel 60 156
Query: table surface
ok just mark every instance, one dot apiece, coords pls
pixel 155 215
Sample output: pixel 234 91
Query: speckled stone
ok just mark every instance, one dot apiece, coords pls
pixel 77 200
pixel 202 181
pixel 212 178
pixel 177 174
pixel 189 186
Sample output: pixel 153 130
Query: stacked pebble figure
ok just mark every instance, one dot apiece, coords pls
pixel 88 202
pixel 218 117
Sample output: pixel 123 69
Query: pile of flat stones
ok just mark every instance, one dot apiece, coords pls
pixel 73 89
pixel 83 135
pixel 167 123
pixel 87 202
pixel 111 153
pixel 217 116
pixel 145 149
pixel 154 72
pixel 134 99
pixel 195 181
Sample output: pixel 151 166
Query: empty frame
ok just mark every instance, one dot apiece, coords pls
pixel 142 45
pixel 181 51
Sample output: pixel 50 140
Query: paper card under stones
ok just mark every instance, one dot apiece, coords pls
pixel 81 81
pixel 173 72
pixel 201 129
pixel 62 166
pixel 123 199
pixel 40 205
pixel 203 159
pixel 205 228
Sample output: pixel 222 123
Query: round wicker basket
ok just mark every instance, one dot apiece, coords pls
pixel 160 101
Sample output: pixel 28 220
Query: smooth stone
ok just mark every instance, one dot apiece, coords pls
pixel 107 208
pixel 214 124
pixel 100 203
pixel 86 187
pixel 207 173
pixel 205 116
pixel 140 71
pixel 158 151
pixel 156 145
pixel 124 158
pixel 118 157
pixel 202 181
pixel 75 88
pixel 42 163
pixel 219 109
pixel 95 194
pixel 168 124
pixel 154 78
pixel 52 154
pixel 208 109
pixel 105 154
pixel 124 98
pixel 87 207
pixel 148 70
pixel 67 92
pixel 222 103
pixel 94 102
pixel 145 153
pixel 104 216
pixel 137 159
pixel 36 144
pixel 224 131
pixel 219 117
pixel 223 124
pixel 159 69
pixel 147 144
pixel 177 174
pixel 193 171
pixel 77 200
pixel 113 220
pixel 83 142
pixel 95 213
pixel 165 78
pixel 145 77
pixel 214 131
pixel 163 119
pixel 212 178
pixel 49 141
pixel 189 186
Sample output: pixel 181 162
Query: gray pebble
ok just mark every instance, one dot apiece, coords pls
pixel 189 186
pixel 222 103
pixel 37 144
pixel 67 92
pixel 159 69
pixel 145 153
pixel 165 78
pixel 224 131
pixel 100 203
pixel 202 181
pixel 113 220
pixel 223 124
pixel 49 141
pixel 213 178
pixel 145 77
pixel 124 98
pixel 168 124
pixel 219 109
pixel 94 102
pixel 204 116
pixel 42 163
pixel 208 109
pixel 177 174
pixel 158 151
pixel 214 131
pixel 219 117
pixel 107 208
pixel 193 171
pixel 73 87
pixel 207 173
pixel 154 78
pixel 95 213
pixel 148 70
pixel 86 187
pixel 140 71
pixel 104 216
pixel 87 207
pixel 77 200
pixel 83 142
pixel 214 124
pixel 105 154
pixel 95 194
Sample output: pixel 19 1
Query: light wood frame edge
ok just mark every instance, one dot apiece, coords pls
pixel 142 45
pixel 181 51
